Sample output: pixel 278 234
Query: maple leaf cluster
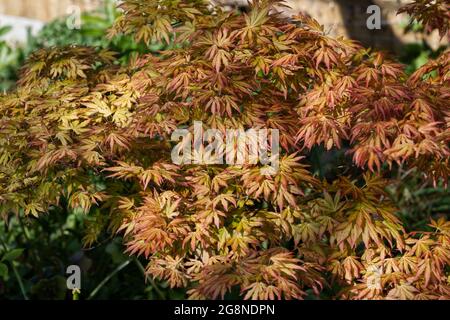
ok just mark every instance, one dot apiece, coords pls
pixel 433 14
pixel 83 131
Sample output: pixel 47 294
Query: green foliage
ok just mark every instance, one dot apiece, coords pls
pixel 431 14
pixel 415 55
pixel 10 61
pixel 92 32
pixel 85 145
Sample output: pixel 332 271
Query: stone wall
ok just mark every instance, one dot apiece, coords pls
pixel 348 18
pixel 44 10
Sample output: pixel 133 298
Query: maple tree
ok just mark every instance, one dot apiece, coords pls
pixel 432 14
pixel 82 131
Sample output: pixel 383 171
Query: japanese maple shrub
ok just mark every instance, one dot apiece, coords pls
pixel 78 118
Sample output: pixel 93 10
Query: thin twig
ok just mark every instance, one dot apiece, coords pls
pixel 108 277
pixel 152 282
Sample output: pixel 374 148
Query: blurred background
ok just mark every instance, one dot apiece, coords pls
pixel 35 252
pixel 340 17
pixel 26 25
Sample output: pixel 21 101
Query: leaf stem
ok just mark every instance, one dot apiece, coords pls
pixel 16 273
pixel 152 282
pixel 107 278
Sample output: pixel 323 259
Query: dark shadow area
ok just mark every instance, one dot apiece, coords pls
pixel 355 16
